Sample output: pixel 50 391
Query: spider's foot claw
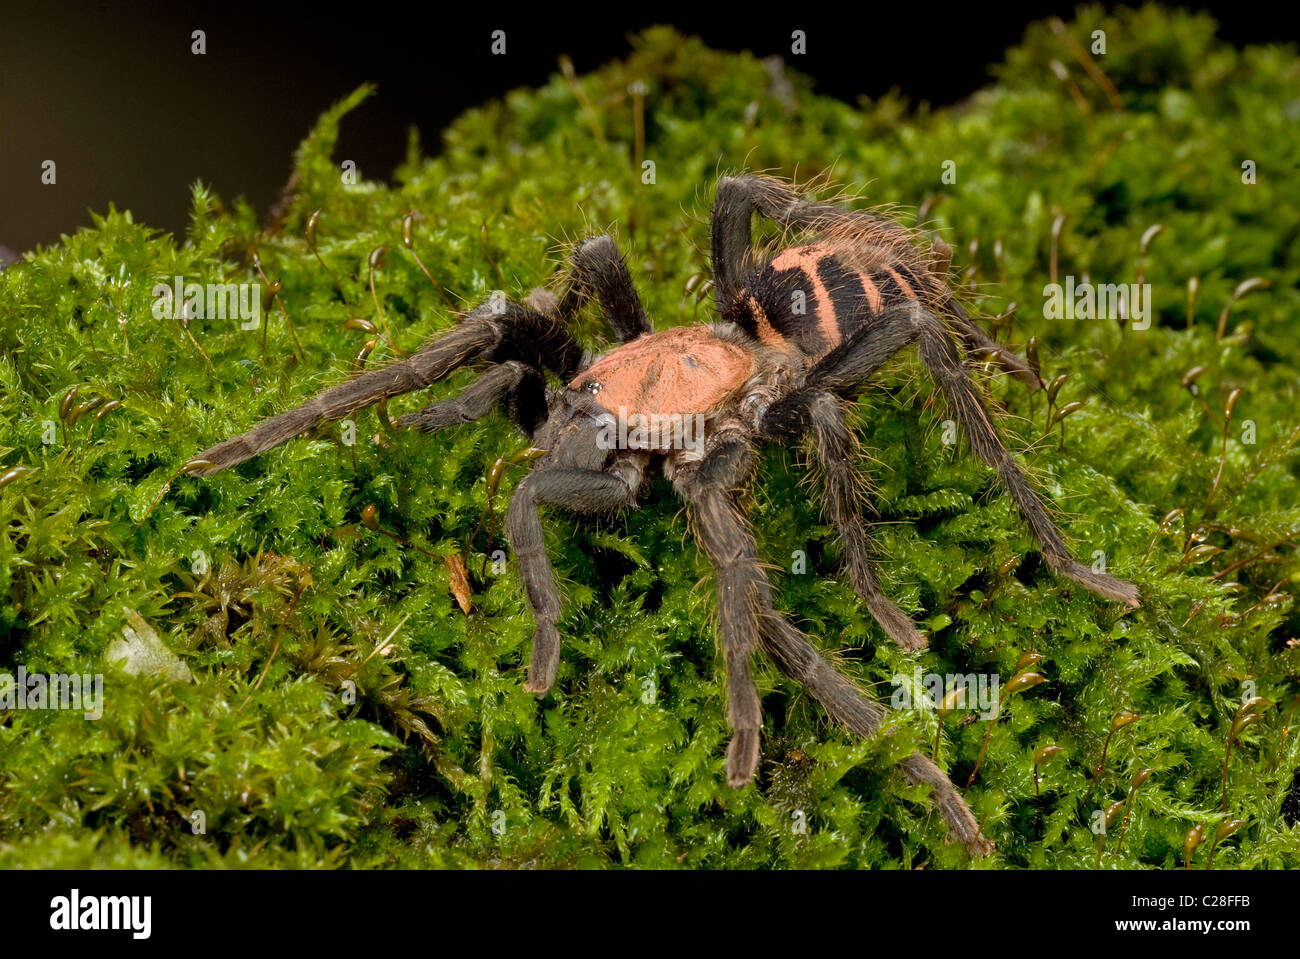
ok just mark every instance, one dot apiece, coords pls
pixel 914 642
pixel 541 685
pixel 546 659
pixel 742 758
pixel 1121 591
pixel 901 629
pixel 979 846
pixel 1102 584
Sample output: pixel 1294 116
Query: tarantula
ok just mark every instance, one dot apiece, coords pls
pixel 799 332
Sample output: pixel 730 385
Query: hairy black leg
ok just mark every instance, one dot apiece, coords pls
pixel 731 241
pixel 493 332
pixel 795 656
pixel 974 339
pixel 737 200
pixel 533 338
pixel 845 369
pixel 785 205
pixel 747 618
pixel 599 269
pixel 823 416
pixel 511 380
pixel 940 357
pixel 727 541
pixel 853 362
pixel 576 490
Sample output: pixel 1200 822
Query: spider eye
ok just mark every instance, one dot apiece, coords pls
pixel 591 386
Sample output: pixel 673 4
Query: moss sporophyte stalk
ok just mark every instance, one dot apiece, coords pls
pixel 318 657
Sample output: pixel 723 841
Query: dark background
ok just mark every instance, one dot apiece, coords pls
pixel 112 94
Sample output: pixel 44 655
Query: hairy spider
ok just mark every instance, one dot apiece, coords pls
pixel 799 332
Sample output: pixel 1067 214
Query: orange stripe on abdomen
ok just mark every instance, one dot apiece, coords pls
pixel 873 294
pixel 808 260
pixel 902 283
pixel 763 327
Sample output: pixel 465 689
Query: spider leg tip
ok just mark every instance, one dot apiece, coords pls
pixel 979 846
pixel 742 758
pixel 739 780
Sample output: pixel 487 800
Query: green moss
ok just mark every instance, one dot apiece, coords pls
pixel 269 587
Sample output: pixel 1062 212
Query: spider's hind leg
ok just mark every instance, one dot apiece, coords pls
pixel 941 359
pixel 821 414
pixel 801 661
pixel 974 339
pixel 847 367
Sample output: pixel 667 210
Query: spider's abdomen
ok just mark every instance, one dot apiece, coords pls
pixel 685 371
pixel 811 299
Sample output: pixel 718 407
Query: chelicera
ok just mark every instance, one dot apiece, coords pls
pixel 799 332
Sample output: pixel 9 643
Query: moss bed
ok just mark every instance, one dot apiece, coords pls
pixel 338 709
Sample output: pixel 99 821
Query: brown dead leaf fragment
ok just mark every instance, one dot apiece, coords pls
pixel 458 576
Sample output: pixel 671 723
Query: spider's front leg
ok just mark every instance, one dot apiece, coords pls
pixel 520 384
pixel 493 332
pixel 599 270
pixel 578 491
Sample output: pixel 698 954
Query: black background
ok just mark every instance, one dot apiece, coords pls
pixel 923 912
pixel 112 93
